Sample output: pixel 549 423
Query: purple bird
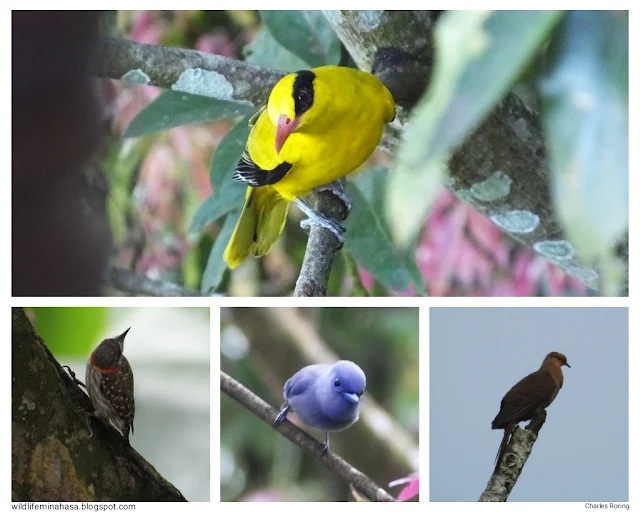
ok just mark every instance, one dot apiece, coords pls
pixel 325 396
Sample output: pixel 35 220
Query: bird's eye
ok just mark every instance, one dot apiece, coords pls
pixel 336 383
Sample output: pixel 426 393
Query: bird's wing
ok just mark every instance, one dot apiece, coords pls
pixel 260 164
pixel 525 398
pixel 247 171
pixel 303 380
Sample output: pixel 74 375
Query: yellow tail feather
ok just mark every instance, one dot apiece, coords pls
pixel 262 220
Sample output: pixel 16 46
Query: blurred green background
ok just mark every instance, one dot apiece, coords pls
pixel 169 352
pixel 263 347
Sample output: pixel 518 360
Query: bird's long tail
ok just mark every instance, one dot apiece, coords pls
pixel 261 221
pixel 505 441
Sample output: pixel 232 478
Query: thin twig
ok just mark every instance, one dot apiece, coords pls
pixel 362 483
pixel 130 282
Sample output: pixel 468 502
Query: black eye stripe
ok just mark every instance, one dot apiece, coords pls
pixel 303 91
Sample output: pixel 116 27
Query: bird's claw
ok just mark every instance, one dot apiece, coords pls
pixel 325 222
pixel 335 187
pixel 72 374
pixel 281 416
pixel 325 446
pixel 315 218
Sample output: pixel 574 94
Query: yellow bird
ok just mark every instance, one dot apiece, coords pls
pixel 318 126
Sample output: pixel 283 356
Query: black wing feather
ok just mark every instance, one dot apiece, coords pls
pixel 248 172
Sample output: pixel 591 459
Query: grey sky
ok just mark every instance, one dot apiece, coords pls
pixel 477 354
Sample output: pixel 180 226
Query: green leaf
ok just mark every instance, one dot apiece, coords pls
pixel 216 266
pixel 305 33
pixel 228 198
pixel 227 194
pixel 264 50
pixel 71 332
pixel 479 54
pixel 174 108
pixel 227 155
pixel 585 102
pixel 368 242
pixel 373 185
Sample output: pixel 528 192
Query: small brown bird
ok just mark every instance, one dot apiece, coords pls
pixel 110 384
pixel 528 397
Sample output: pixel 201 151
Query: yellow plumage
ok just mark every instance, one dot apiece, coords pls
pixel 331 119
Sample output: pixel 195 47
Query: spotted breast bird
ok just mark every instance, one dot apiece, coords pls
pixel 109 381
pixel 318 126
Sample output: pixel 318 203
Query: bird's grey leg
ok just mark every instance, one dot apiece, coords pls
pixel 326 444
pixel 318 219
pixel 282 415
pixel 336 188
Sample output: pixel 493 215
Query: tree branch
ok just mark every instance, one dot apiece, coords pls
pixel 505 476
pixel 53 456
pixel 184 70
pixel 362 483
pixel 321 249
pixel 128 281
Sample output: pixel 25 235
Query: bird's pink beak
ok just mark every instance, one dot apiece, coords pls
pixel 284 128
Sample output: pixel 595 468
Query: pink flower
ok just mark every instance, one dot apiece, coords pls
pixel 463 253
pixel 411 489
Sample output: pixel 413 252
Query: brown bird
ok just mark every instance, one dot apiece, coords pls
pixel 529 397
pixel 109 381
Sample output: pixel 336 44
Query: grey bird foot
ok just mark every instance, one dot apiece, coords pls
pixel 325 222
pixel 281 416
pixel 335 187
pixel 325 448
pixel 318 219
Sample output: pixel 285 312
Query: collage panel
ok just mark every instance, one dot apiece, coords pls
pixel 377 225
pixel 263 153
pixel 563 371
pixel 110 404
pixel 319 404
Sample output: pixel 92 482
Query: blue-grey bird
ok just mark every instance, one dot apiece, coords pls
pixel 325 396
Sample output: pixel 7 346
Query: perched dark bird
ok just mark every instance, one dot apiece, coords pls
pixel 528 397
pixel 325 396
pixel 110 384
